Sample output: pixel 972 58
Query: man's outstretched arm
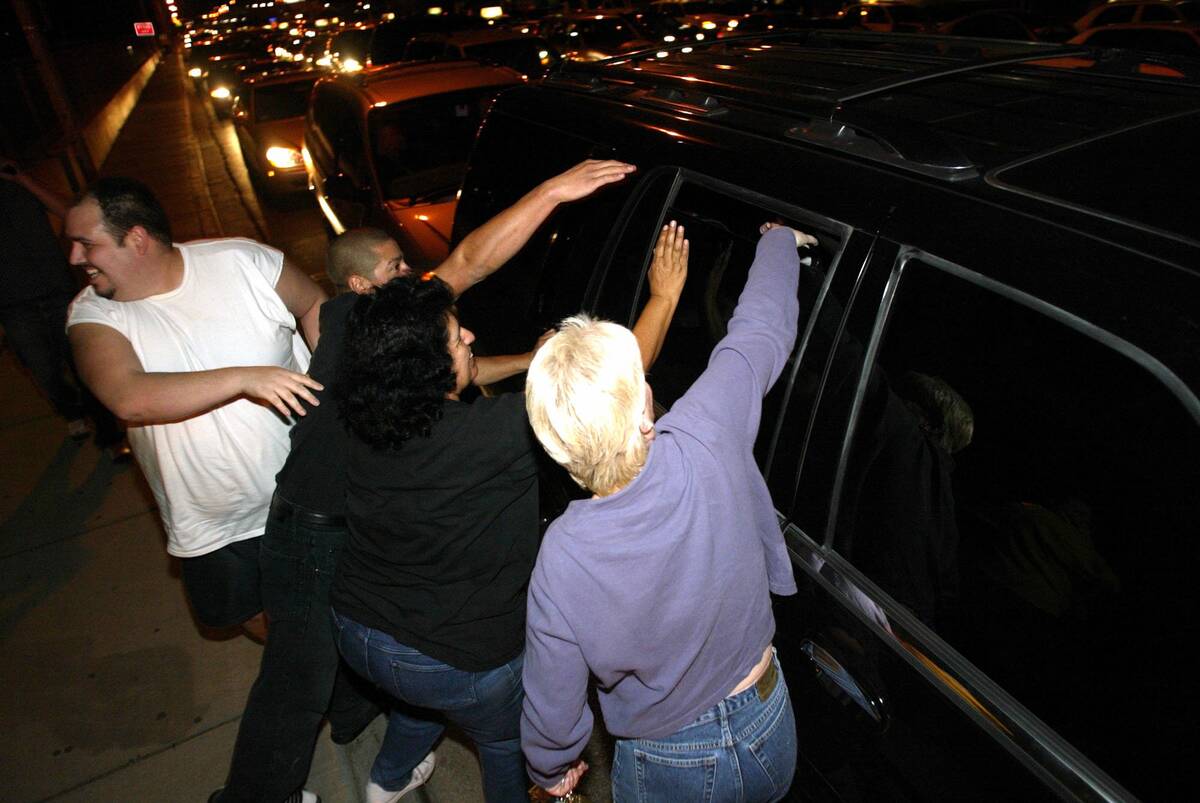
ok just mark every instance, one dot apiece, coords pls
pixel 484 250
pixel 111 369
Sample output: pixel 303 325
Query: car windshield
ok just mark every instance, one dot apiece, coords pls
pixel 906 14
pixel 527 55
pixel 281 100
pixel 421 146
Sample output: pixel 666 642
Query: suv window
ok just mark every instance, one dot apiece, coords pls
pixel 419 50
pixel 420 147
pixel 335 122
pixel 1114 16
pixel 1029 493
pixel 529 56
pixel 1159 14
pixel 722 232
pixel 281 101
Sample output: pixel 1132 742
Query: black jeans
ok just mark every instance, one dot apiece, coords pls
pixel 300 666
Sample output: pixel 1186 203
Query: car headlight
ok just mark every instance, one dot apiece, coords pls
pixel 732 23
pixel 283 157
pixel 351 65
pixel 195 72
pixel 221 93
pixel 708 25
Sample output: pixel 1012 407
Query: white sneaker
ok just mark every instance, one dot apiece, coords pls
pixel 420 774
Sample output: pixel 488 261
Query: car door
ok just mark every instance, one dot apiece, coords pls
pixel 992 579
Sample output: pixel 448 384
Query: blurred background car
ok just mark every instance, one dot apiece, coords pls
pixel 268 117
pixel 887 17
pixel 1167 38
pixel 388 147
pixel 594 36
pixel 530 55
pixel 1119 12
pixel 989 25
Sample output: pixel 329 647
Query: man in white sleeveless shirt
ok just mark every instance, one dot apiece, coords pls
pixel 195 346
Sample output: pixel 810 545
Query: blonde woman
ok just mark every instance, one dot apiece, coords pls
pixel 659 585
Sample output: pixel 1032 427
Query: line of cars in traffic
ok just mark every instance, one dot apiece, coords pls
pixel 324 108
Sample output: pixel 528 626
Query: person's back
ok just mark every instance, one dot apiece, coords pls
pixel 660 584
pixel 451 579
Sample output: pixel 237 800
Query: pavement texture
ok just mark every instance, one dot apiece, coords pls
pixel 112 692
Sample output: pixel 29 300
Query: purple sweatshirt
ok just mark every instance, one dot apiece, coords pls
pixel 661 589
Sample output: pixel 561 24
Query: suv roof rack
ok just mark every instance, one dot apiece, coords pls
pixel 833 106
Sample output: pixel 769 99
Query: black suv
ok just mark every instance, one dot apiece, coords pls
pixel 985 452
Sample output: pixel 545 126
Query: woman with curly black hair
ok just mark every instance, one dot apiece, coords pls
pixel 429 599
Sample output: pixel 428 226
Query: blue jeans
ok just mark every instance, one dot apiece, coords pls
pixel 486 705
pixel 742 750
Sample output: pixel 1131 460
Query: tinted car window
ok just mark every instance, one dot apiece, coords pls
pixel 722 232
pixel 1029 493
pixel 420 148
pixel 281 100
pixel 1159 14
pixel 389 43
pixel 1114 16
pixel 421 51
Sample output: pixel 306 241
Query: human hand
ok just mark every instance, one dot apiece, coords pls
pixel 569 781
pixel 280 388
pixel 802 239
pixel 586 177
pixel 668 270
pixel 541 341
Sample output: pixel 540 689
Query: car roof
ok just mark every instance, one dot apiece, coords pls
pixel 1009 115
pixel 396 83
pixel 949 107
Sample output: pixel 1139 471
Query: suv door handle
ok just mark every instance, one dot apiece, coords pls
pixel 838 681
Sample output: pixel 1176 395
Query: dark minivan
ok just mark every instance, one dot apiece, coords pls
pixel 985 452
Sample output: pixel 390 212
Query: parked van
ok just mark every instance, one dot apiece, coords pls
pixel 388 147
pixel 984 452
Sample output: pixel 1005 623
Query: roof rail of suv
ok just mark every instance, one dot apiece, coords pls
pixel 835 118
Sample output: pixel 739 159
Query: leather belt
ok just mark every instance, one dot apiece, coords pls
pixel 766 684
pixel 284 511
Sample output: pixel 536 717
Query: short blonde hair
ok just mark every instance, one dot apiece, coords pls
pixel 585 395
